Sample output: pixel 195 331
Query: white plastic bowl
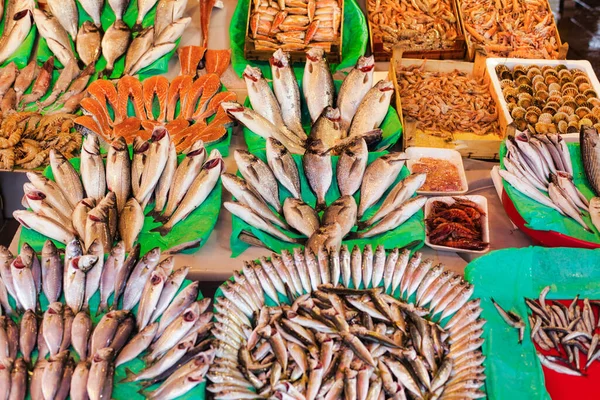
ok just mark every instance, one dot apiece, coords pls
pixel 414 154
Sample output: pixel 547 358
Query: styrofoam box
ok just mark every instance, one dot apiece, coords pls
pixel 481 201
pixel 414 154
pixel 583 65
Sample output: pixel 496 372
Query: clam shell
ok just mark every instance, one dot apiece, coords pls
pixel 579 79
pixel 590 93
pixel 591 117
pixel 518 112
pixel 585 122
pixel 533 71
pixel 549 110
pixel 582 111
pixel 573 127
pixel 520 124
pixel 525 89
pixel 567 110
pixel 545 118
pixel 580 99
pixel 504 83
pixel 523 80
pixel 531 117
pixel 570 92
pixel 551 79
pixel 540 86
pixel 562 126
pixel 564 73
pixel 554 86
pixel 559 116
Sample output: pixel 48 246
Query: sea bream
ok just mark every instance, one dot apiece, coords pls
pixel 300 216
pixel 57 37
pixel 261 96
pixel 378 177
pixel 328 128
pixel 372 109
pixel 287 92
pixel 157 156
pixel 351 166
pixel 355 87
pixel 16 35
pixel 284 167
pixel 317 83
pixel 118 171
pixel 259 176
pixel 92 168
pixel 318 170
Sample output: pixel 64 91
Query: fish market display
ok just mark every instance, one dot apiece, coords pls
pixel 458 224
pixel 63 97
pixel 295 25
pixel 414 26
pixel 549 99
pixel 447 102
pixel 540 168
pixel 27 138
pixel 511 29
pixel 258 202
pixel 442 175
pixel 70 350
pixel 358 111
pixel 195 58
pixel 103 203
pixel 289 327
pixel 138 44
pixel 189 109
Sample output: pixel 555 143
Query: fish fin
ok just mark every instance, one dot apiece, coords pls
pixel 321 206
pixel 153 214
pixel 163 230
pixel 101 308
pixel 353 235
pixel 129 376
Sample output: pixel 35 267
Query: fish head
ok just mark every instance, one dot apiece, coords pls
pixel 315 54
pixel 49 248
pixel 153 255
pixel 73 248
pixel 96 247
pixel 366 64
pixel 108 201
pixel 215 160
pixel 140 145
pixel 119 144
pixel 280 59
pixel 252 74
pixel 385 86
pixel 397 156
pixel 105 354
pixel 55 308
pixel 232 108
pixel 89 27
pixel 91 145
pixel 332 114
pixel 159 133
pixel 35 195
pixel 196 149
pixel 118 249
pixel 589 134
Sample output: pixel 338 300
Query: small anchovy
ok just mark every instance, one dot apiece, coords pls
pixel 511 319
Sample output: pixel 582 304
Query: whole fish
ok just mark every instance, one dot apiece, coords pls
pixel 318 171
pixel 528 190
pixel 18 380
pixel 172 285
pixel 53 373
pixel 53 327
pixel 351 166
pixel 317 83
pixel 199 190
pixel 123 274
pixel 396 217
pixel 35 385
pixel 113 263
pixel 12 41
pixel 182 301
pixel 119 7
pixel 372 109
pixel 99 370
pixel 24 283
pixel 561 199
pixel 89 43
pixel 66 13
pixel 30 259
pixel 300 216
pixel 73 250
pixel 157 156
pixel 150 296
pixel 165 182
pixel 565 181
pixel 174 332
pixel 250 217
pixel 179 387
pixel 378 177
pixel 93 276
pixel 92 168
pixel 52 272
pixel 75 280
pixel 28 334
pixel 68 317
pixel 137 344
pixel 327 128
pixel 104 333
pixel 97 224
pixel 94 9
pixel 259 176
pixel 144 7
pixel 138 47
pixel 168 360
pixel 80 333
pixel 66 177
pixel 52 229
pixel 173 31
pixel 53 193
pixel 154 53
pixel 6 259
pixel 261 96
pixel 328 236
pixel 123 333
pixel 115 42
pixel 140 147
pixel 594 212
pixel 140 274
pixel 283 166
pixel 355 87
pixel 80 215
pixel 69 72
pixel 131 222
pixel 4 301
pixel 342 211
pixel 65 383
pixel 79 381
pixel 41 84
pixel 287 92
pixel 590 156
pixel 118 171
pixel 57 37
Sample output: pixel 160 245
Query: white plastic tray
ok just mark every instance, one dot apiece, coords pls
pixel 584 65
pixel 481 201
pixel 416 153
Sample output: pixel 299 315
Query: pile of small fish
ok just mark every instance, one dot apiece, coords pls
pixel 295 25
pixel 27 138
pixel 178 353
pixel 180 102
pixel 333 341
pixel 361 107
pixel 546 99
pixel 568 330
pixel 414 26
pixel 259 205
pixel 59 26
pixel 540 165
pixel 117 194
pixel 447 102
pixel 456 224
pixel 64 97
pixel 511 28
pixel 17 26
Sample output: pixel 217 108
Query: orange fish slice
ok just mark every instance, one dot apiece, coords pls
pixel 93 108
pixel 127 87
pixel 106 93
pixel 177 92
pixel 89 123
pixel 142 133
pixel 189 58
pixel 213 105
pixel 192 97
pixel 206 7
pixel 176 126
pixel 217 61
pixel 212 85
pixel 150 124
pixel 127 127
pixel 211 133
pixel 159 86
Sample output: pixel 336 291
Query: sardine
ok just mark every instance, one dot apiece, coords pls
pixel 300 216
pixel 259 176
pixel 318 171
pixel 342 211
pixel 355 87
pixel 372 109
pixel 378 177
pixel 139 46
pixel 283 166
pixel 287 92
pixel 92 168
pixel 115 42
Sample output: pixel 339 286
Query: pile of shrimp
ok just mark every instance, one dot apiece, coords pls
pixel 26 138
pixel 511 28
pixel 447 102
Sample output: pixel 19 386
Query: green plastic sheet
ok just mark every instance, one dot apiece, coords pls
pixel 158 67
pixel 354 45
pixel 128 390
pixel 542 218
pixel 391 125
pixel 513 371
pixel 411 233
pixel 198 225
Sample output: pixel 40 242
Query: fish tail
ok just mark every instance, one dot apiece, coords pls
pixel 362 225
pixel 101 308
pixel 321 206
pixel 137 27
pixel 153 214
pixel 163 230
pixel 130 376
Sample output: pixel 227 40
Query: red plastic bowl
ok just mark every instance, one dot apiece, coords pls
pixel 543 238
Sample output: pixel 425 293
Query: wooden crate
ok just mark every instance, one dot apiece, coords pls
pixel 468 144
pixel 456 52
pixel 252 54
pixel 473 48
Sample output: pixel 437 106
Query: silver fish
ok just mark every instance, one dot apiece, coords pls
pixel 99 370
pixel 93 276
pixel 300 216
pixel 79 381
pixel 153 54
pixel 24 283
pixel 144 7
pixel 119 7
pixel 327 128
pixel 317 83
pixel 4 302
pixel 259 176
pixel 115 42
pixel 52 229
pixel 140 147
pixel 66 13
pixel 283 166
pixel 355 87
pixel 328 236
pixel 396 217
pixel 137 344
pixel 318 171
pixel 11 42
pixel 75 280
pixel 172 285
pixel 167 361
pixel 562 200
pixel 373 108
pixel 123 274
pixel 97 223
pixel 118 171
pixel 123 333
pixel 131 223
pixel 342 211
pixel 261 96
pixel 53 193
pixel 94 9
pixel 182 301
pixel 28 334
pixel 80 333
pixel 35 200
pixel 140 274
pixel 80 215
pixel 53 327
pixel 92 168
pixel 53 373
pixel 165 182
pixel 107 280
pixel 179 387
pixel 351 166
pixel 66 177
pixel 528 190
pixel 378 177
pixel 287 92
pixel 173 31
pixel 174 332
pixel 139 46
pixel 150 296
pixel 57 37
pixel 250 217
pixel 158 154
pixel 52 272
